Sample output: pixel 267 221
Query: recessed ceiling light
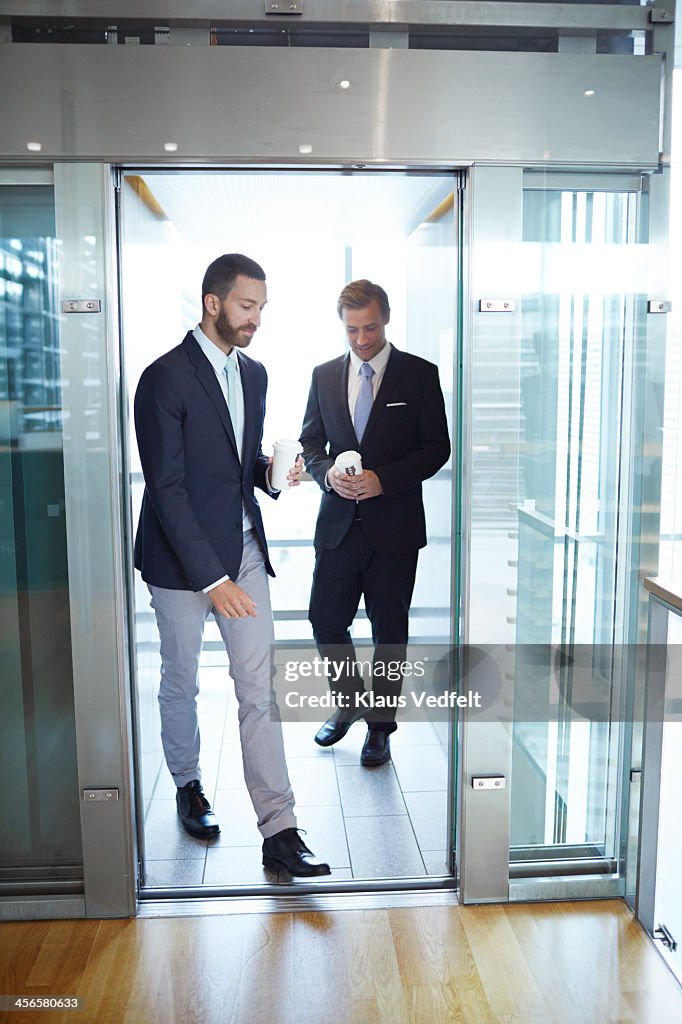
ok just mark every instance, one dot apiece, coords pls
pixel 589 92
pixel 344 84
pixel 305 147
pixel 170 147
pixel 34 147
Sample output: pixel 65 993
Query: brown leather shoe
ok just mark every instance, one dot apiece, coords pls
pixel 287 850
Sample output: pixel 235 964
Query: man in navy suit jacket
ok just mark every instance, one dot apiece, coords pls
pixel 201 549
pixel 388 406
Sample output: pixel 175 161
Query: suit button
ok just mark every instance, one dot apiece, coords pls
pixel 238 525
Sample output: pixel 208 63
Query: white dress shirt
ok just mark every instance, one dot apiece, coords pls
pixel 378 364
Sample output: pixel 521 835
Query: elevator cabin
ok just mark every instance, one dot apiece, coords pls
pixel 518 232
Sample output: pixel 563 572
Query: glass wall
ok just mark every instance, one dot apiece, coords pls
pixel 40 836
pixel 668 887
pixel 671 497
pixel 579 310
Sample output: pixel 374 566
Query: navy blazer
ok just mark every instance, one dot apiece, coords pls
pixel 406 441
pixel 190 529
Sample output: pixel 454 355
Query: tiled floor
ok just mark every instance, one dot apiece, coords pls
pixel 385 822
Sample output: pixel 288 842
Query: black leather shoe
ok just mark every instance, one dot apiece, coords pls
pixel 376 748
pixel 287 850
pixel 195 812
pixel 336 727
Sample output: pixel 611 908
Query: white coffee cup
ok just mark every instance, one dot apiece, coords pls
pixel 284 458
pixel 349 463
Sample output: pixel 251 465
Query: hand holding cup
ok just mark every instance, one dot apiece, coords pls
pixel 351 481
pixel 286 465
pixel 344 475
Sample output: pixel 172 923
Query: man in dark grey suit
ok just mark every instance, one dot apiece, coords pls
pixel 201 548
pixel 388 406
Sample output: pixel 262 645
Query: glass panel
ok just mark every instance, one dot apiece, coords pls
pixel 549 440
pixel 571 364
pixel 671 484
pixel 40 837
pixel 579 309
pixel 668 898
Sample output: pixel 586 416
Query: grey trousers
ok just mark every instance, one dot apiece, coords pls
pixel 181 615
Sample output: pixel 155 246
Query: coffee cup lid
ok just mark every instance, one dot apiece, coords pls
pixel 285 442
pixel 348 457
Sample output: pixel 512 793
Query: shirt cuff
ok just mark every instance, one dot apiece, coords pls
pixel 223 579
pixel 327 486
pixel 271 489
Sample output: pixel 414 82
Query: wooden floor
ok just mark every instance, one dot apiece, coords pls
pixel 561 963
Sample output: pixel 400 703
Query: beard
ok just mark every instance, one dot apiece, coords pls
pixel 231 335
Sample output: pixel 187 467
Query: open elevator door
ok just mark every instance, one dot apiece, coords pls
pixel 312 231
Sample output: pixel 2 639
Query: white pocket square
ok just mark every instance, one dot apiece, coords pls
pixel 391 405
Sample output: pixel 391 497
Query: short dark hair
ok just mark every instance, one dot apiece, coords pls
pixel 223 272
pixel 359 294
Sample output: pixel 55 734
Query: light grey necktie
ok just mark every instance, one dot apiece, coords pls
pixel 235 409
pixel 363 406
pixel 231 374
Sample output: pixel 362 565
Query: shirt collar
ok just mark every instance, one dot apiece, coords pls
pixel 378 362
pixel 214 355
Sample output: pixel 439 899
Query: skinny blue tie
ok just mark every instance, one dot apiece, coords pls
pixel 363 406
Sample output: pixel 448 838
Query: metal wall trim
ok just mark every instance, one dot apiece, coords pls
pixel 652 754
pixel 588 182
pixel 589 887
pixel 360 13
pixel 320 902
pixel 39 909
pixel 26 176
pixel 312 888
pixel 124 103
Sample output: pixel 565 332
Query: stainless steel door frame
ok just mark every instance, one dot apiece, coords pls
pixel 455 179
pixel 485 749
pixel 93 477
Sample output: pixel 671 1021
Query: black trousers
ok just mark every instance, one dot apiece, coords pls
pixel 342 576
